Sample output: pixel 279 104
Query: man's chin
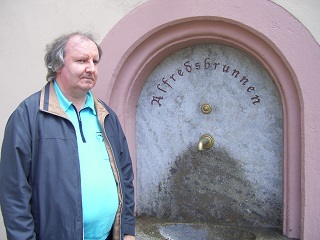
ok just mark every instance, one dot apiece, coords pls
pixel 88 85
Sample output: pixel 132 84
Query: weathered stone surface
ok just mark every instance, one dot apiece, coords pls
pixel 239 180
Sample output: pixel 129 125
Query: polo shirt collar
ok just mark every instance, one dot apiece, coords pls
pixel 66 104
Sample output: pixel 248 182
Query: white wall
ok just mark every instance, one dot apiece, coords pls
pixel 306 11
pixel 28 25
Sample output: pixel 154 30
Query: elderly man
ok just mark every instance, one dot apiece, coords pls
pixel 65 170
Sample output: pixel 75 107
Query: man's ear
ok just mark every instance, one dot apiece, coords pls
pixel 59 70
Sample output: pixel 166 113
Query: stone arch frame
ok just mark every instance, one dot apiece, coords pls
pixel 144 37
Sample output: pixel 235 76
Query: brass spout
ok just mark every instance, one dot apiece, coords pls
pixel 206 142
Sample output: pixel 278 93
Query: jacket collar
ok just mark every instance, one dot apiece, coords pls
pixel 49 103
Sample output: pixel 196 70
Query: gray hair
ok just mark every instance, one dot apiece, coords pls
pixel 54 58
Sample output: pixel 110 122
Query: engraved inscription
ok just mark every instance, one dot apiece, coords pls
pixel 188 67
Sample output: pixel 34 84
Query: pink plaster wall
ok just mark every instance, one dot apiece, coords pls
pixel 149 33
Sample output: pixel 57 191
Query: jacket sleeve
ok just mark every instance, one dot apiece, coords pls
pixel 14 170
pixel 128 218
pixel 126 179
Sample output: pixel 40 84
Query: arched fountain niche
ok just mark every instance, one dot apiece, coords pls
pixel 129 66
pixel 220 93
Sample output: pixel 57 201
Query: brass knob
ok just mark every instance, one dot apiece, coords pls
pixel 206 108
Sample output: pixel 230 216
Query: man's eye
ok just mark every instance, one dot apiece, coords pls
pixel 80 60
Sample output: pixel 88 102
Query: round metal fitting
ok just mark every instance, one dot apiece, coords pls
pixel 206 108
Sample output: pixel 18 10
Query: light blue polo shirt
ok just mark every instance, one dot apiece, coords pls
pixel 98 187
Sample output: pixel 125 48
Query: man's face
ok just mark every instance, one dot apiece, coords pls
pixel 80 71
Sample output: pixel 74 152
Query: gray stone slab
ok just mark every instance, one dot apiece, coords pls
pixel 239 180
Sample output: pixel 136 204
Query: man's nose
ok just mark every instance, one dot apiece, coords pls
pixel 91 67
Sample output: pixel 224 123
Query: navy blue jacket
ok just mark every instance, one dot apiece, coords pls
pixel 40 189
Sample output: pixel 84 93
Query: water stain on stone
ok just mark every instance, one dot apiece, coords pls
pixel 209 186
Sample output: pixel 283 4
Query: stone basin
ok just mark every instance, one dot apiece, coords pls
pixel 156 229
pixel 200 232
